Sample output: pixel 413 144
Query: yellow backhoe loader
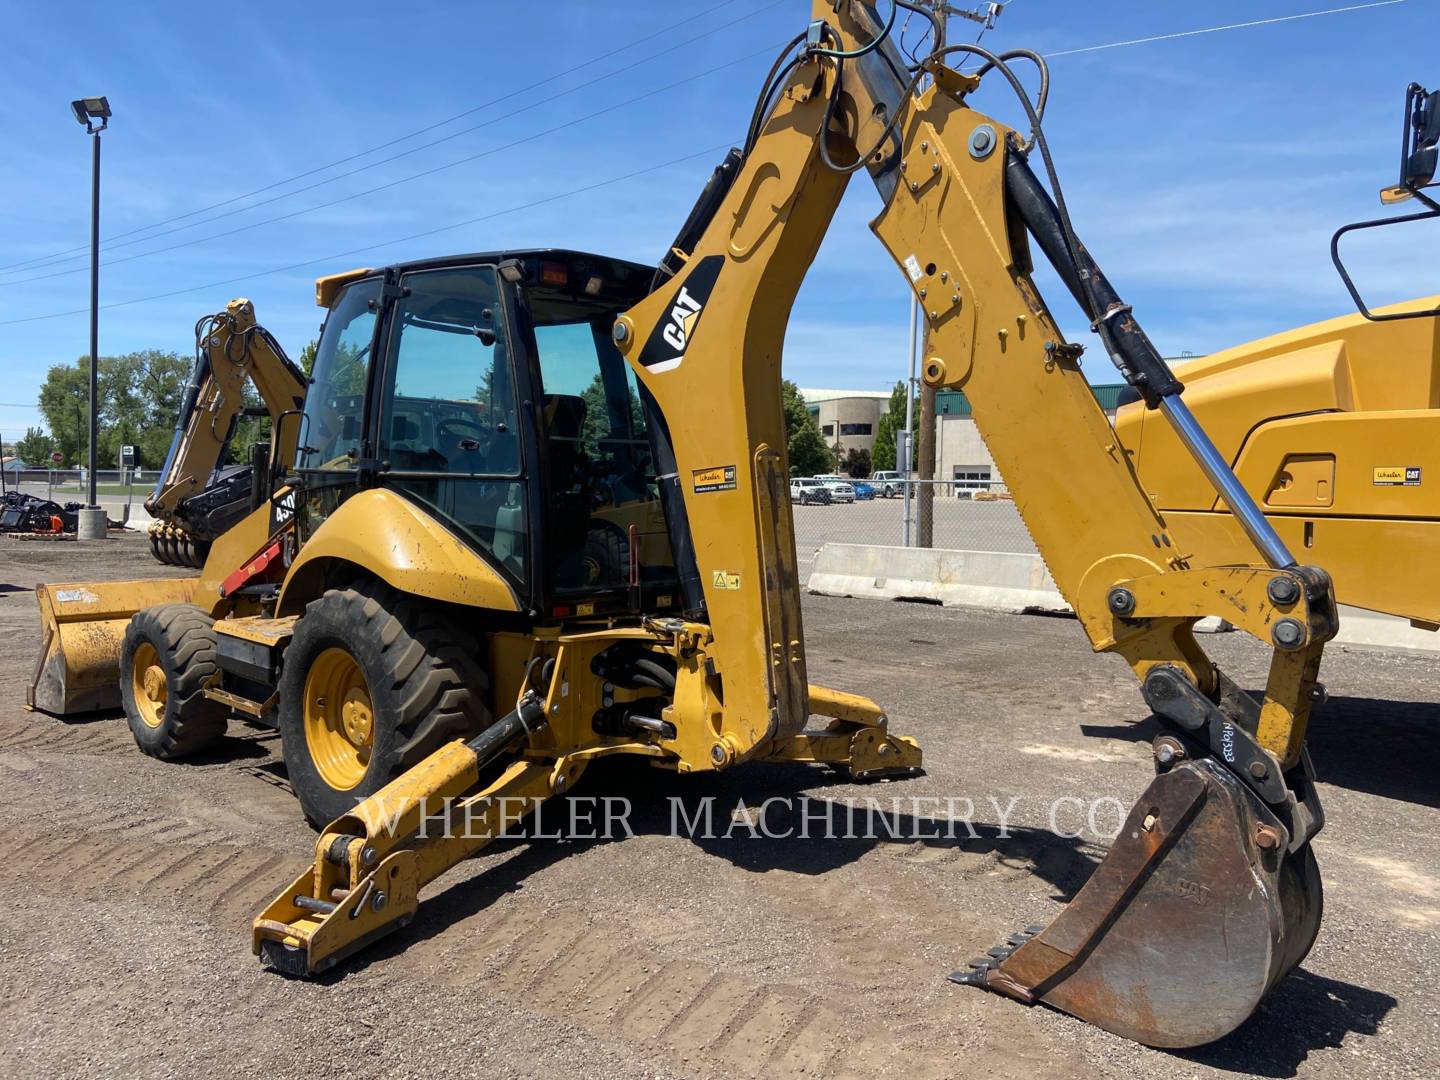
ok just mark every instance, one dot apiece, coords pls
pixel 193 503
pixel 539 515
pixel 197 497
pixel 1333 428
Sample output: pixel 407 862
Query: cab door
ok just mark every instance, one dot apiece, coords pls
pixel 448 430
pixel 331 451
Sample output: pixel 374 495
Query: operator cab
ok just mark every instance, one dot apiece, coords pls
pixel 486 390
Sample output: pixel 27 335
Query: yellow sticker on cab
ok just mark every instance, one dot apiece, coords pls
pixel 723 579
pixel 1396 476
pixel 720 478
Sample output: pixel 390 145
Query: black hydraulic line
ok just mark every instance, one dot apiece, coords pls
pixel 657 672
pixel 509 730
pixel 1136 357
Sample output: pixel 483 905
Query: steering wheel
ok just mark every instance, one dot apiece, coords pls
pixel 469 436
pixel 465 442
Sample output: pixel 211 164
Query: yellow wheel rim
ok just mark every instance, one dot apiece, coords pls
pixel 147 678
pixel 339 719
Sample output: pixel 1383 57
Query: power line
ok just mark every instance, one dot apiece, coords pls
pixel 708 151
pixel 46 259
pixel 618 179
pixel 1217 29
pixel 767 50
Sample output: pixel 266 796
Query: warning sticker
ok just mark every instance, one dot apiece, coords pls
pixel 1397 476
pixel 720 478
pixel 725 580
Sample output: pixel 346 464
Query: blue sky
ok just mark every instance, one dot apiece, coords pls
pixel 1206 173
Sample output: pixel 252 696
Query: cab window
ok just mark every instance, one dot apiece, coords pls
pixel 448 431
pixel 335 402
pixel 603 490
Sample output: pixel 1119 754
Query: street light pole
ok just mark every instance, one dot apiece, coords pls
pixel 94 113
pixel 94 307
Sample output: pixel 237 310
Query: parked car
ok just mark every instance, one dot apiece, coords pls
pixel 840 489
pixel 888 483
pixel 807 491
pixel 862 490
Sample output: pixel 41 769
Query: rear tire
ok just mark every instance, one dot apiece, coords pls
pixel 374 682
pixel 166 658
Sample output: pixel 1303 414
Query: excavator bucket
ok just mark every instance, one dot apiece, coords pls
pixel 82 625
pixel 1200 908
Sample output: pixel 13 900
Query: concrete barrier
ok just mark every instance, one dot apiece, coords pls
pixel 1000 580
pixel 1361 627
pixel 1018 582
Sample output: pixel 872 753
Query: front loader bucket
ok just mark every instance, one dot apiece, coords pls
pixel 81 627
pixel 1196 913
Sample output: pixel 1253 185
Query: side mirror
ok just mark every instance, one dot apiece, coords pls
pixel 1418 152
pixel 284 442
pixel 1420 168
pixel 1419 144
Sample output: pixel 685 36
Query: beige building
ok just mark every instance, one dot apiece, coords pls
pixel 850 419
pixel 847 418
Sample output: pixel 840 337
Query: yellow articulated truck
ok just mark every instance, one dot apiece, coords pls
pixel 1333 428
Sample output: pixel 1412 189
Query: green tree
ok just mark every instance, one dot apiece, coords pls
pixel 137 393
pixel 808 453
pixel 809 456
pixel 882 456
pixel 307 356
pixel 35 448
pixel 157 381
pixel 64 402
pixel 856 463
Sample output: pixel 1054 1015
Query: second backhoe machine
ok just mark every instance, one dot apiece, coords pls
pixel 539 516
pixel 197 496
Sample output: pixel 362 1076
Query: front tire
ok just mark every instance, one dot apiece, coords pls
pixel 374 682
pixel 166 658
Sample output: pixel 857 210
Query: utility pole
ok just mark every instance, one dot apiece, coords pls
pixel 904 455
pixel 925 517
pixel 87 111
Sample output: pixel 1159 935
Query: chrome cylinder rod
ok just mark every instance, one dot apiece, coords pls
pixel 1217 470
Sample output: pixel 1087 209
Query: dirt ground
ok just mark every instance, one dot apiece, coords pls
pixel 127 887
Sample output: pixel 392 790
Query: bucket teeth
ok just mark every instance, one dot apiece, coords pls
pixel 993 958
pixel 979 968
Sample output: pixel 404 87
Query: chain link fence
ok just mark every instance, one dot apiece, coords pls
pixel 963 515
pixel 114 488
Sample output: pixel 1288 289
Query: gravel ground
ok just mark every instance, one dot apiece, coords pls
pixel 128 886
